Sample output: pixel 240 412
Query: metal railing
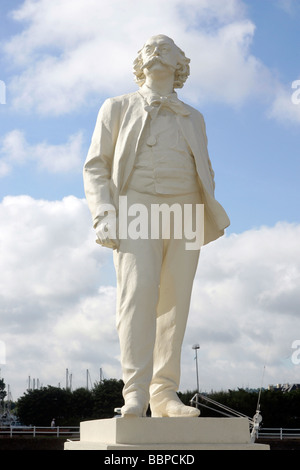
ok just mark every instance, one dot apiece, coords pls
pixel 254 423
pixel 33 431
pixel 278 433
pixel 74 431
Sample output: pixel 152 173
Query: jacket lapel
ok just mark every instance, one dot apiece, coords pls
pixel 132 128
pixel 193 134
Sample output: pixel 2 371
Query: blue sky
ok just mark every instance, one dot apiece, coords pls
pixel 59 60
pixel 255 157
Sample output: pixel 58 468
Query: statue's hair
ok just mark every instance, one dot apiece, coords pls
pixel 181 73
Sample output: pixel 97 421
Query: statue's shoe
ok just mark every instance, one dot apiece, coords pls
pixel 134 409
pixel 172 408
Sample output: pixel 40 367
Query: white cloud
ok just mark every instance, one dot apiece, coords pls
pixel 60 158
pixel 70 51
pixel 246 307
pixel 53 312
pixel 224 70
pixel 288 6
pixel 57 308
pixel 286 105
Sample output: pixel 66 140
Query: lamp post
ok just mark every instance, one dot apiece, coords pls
pixel 196 347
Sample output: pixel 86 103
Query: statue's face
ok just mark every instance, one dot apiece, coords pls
pixel 158 54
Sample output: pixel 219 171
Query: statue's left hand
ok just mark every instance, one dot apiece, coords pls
pixel 106 232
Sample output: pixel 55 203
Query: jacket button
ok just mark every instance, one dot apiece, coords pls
pixel 151 141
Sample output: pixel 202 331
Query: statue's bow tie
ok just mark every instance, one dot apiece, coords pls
pixel 168 102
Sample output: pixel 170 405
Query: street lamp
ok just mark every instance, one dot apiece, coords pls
pixel 196 347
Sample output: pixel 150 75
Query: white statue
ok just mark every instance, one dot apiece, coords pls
pixel 148 149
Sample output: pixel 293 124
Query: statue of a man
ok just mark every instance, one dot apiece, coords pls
pixel 151 148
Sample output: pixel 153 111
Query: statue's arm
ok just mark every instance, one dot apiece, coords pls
pixel 97 174
pixel 203 128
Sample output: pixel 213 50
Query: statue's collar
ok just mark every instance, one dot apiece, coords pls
pixel 153 102
pixel 150 96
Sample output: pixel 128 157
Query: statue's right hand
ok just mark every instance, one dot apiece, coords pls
pixel 106 232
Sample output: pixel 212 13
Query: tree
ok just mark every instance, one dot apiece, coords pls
pixel 39 407
pixel 107 396
pixel 2 394
pixel 82 406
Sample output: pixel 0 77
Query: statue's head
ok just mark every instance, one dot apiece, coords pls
pixel 162 49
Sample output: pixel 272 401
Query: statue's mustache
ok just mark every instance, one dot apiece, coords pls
pixel 155 59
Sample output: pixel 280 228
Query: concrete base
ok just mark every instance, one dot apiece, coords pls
pixel 165 434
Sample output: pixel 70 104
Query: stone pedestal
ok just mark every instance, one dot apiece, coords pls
pixel 165 434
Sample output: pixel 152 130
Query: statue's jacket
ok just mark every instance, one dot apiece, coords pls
pixel 113 150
